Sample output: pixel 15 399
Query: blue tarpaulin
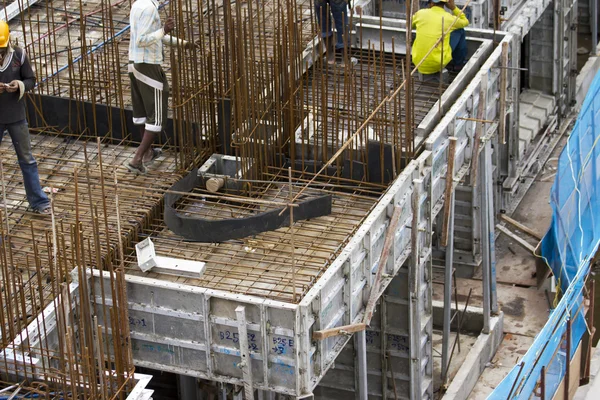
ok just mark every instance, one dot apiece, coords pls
pixel 567 247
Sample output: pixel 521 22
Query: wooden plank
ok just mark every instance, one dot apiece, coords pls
pixel 478 130
pixel 573 378
pixel 521 227
pixel 448 193
pixel 340 330
pixel 385 252
pixel 516 238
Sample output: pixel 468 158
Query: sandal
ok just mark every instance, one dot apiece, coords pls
pixel 136 169
pixel 44 210
pixel 155 154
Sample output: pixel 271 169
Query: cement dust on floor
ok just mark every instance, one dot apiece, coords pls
pixel 466 342
pixel 512 348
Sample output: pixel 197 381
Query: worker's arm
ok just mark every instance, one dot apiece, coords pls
pixel 462 20
pixel 415 19
pixel 27 74
pixel 172 41
pixel 27 81
pixel 146 36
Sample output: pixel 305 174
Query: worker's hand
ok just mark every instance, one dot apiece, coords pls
pixel 169 25
pixel 358 10
pixel 12 87
pixel 450 4
pixel 190 45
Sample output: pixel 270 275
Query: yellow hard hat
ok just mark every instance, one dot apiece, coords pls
pixel 4 34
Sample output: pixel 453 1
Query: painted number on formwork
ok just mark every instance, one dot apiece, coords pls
pixel 394 342
pixel 282 345
pixel 371 337
pixel 235 338
pixel 397 342
pixel 137 321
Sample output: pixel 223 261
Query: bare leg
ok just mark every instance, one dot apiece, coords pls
pixel 330 42
pixel 145 147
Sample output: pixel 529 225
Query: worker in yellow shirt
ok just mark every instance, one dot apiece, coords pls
pixel 429 22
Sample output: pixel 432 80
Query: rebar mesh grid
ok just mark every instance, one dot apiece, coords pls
pixel 261 265
pixel 92 219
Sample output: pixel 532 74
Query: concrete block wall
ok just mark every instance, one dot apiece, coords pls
pixel 541 52
pixel 535 110
pixel 583 16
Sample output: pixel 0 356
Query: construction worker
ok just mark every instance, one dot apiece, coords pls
pixel 429 23
pixel 149 85
pixel 325 9
pixel 16 78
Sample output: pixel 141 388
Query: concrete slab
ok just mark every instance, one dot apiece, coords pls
pixel 514 264
pixel 510 350
pixel 525 309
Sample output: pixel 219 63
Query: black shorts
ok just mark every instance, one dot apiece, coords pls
pixel 149 96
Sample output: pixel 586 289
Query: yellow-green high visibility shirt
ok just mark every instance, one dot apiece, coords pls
pixel 428 22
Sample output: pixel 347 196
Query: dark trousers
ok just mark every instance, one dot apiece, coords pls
pixel 325 9
pixel 458 43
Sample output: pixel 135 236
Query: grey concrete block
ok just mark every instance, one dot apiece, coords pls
pixel 472 319
pixel 480 354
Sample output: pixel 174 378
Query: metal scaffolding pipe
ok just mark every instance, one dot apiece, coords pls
pixel 594 24
pixel 362 365
pixel 484 187
pixel 489 193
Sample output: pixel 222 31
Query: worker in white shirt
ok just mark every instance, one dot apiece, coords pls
pixel 149 85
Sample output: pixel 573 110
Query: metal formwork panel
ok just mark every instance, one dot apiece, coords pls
pixel 348 281
pixel 399 336
pixel 478 13
pixel 388 355
pixel 194 331
pixel 36 347
pixel 461 123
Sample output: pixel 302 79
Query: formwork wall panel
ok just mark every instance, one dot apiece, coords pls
pixel 179 336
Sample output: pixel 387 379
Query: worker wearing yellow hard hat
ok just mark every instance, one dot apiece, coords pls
pixel 429 23
pixel 4 33
pixel 16 78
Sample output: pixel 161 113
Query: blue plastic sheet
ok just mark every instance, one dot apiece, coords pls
pixel 567 247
